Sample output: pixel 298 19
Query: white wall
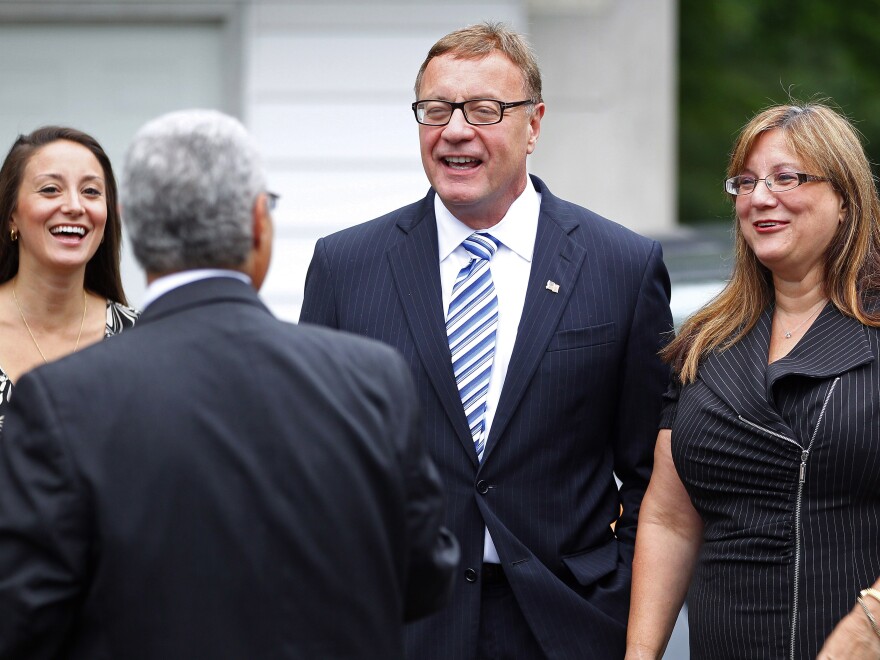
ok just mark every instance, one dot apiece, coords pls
pixel 608 139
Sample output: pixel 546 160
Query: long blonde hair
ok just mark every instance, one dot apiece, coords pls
pixel 829 146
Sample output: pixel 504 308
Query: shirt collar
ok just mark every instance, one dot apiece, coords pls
pixel 166 283
pixel 517 229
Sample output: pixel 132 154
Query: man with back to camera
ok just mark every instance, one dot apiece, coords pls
pixel 219 484
pixel 532 328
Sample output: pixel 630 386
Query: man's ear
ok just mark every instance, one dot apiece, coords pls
pixel 534 126
pixel 259 218
pixel 262 236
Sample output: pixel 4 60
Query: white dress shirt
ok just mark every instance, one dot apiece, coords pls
pixel 510 268
pixel 166 283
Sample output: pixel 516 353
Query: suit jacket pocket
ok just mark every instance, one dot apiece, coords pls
pixel 581 337
pixel 589 566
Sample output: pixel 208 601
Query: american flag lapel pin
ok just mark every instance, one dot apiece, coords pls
pixel 552 286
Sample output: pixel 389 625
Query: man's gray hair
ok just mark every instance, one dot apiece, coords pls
pixel 187 192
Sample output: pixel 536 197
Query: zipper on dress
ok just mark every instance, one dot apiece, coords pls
pixel 764 429
pixel 802 477
pixel 797 521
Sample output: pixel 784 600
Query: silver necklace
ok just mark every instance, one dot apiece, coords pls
pixel 28 327
pixel 788 333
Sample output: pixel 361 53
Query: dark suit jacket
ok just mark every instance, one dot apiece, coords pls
pixel 217 484
pixel 580 403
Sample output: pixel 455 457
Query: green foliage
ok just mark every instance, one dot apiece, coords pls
pixel 739 56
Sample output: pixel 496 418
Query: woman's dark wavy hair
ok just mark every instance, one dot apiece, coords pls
pixel 102 271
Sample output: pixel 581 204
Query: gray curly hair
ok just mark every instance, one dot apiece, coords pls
pixel 187 191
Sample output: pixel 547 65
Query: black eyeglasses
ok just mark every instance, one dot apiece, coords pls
pixel 272 200
pixel 477 112
pixel 779 182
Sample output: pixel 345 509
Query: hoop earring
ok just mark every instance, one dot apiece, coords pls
pixel 13 234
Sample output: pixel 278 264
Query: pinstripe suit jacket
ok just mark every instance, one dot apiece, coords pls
pixel 783 464
pixel 580 402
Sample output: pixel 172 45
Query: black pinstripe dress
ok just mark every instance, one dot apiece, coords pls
pixel 783 464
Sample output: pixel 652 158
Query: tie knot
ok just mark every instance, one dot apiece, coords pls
pixel 481 245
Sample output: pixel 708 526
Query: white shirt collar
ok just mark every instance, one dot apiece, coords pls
pixel 167 283
pixel 517 229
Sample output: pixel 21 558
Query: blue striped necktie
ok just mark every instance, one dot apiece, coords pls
pixel 471 324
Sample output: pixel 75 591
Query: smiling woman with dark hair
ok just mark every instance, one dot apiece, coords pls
pixel 765 496
pixel 60 238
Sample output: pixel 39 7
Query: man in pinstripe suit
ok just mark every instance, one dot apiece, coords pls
pixel 572 396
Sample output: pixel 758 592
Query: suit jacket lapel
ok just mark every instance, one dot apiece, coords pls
pixel 738 376
pixel 557 259
pixel 834 344
pixel 741 376
pixel 414 264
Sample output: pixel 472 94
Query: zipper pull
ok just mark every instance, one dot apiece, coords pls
pixel 804 455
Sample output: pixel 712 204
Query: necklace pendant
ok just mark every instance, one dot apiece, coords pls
pixel 788 335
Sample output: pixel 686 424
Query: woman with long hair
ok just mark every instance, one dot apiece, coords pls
pixel 765 497
pixel 60 239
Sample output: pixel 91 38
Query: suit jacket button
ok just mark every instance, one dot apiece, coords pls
pixel 482 487
pixel 470 575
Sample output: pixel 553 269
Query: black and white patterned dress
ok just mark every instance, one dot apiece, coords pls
pixel 782 462
pixel 119 318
